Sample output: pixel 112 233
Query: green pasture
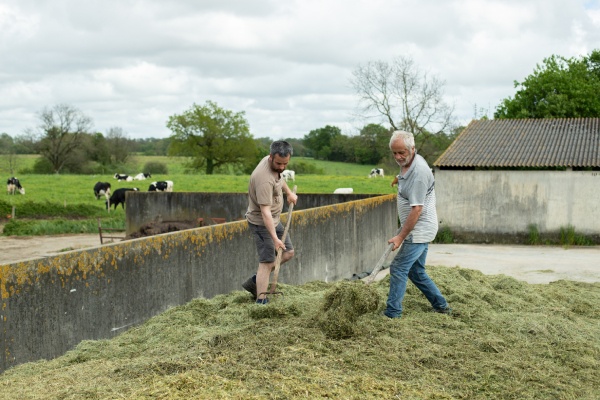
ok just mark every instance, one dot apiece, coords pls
pixel 23 165
pixel 61 203
pixel 79 189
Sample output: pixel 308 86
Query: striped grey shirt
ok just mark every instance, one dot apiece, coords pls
pixel 416 188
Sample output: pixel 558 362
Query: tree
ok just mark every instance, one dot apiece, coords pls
pixel 559 88
pixel 61 130
pixel 403 96
pixel 373 144
pixel 118 144
pixel 96 148
pixel 320 141
pixel 212 136
pixel 8 149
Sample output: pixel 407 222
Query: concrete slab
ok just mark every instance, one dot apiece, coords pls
pixel 532 264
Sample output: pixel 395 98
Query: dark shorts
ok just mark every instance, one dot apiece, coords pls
pixel 264 243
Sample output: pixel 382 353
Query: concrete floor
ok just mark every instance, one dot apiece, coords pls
pixel 532 264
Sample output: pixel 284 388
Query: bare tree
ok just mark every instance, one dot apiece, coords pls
pixel 61 133
pixel 403 96
pixel 118 143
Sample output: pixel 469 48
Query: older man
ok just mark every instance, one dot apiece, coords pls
pixel 418 218
pixel 265 203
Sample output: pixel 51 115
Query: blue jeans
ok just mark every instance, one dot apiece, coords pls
pixel 409 263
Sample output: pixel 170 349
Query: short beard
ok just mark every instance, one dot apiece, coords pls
pixel 272 165
pixel 406 162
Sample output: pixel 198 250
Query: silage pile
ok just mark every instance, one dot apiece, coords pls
pixel 512 340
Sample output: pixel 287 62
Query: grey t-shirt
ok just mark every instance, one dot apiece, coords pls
pixel 416 188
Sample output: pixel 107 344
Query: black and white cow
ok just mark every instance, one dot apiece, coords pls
pixel 141 176
pixel 161 186
pixel 102 189
pixel 118 197
pixel 13 185
pixel 123 177
pixel 288 174
pixel 376 172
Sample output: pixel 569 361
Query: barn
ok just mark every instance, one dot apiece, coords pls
pixel 505 180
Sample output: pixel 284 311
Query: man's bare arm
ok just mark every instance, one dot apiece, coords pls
pixel 407 227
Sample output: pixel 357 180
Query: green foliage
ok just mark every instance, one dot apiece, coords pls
pixel 302 167
pixel 42 166
pixel 444 236
pixel 568 237
pixel 59 226
pixel 431 145
pixel 213 137
pixel 45 209
pixel 372 145
pixel 155 167
pixel 534 234
pixel 320 142
pixel 559 88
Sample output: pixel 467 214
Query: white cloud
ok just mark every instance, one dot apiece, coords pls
pixel 286 64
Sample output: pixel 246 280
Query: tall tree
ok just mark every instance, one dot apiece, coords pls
pixel 320 141
pixel 373 144
pixel 9 150
pixel 97 149
pixel 559 88
pixel 212 136
pixel 61 133
pixel 118 143
pixel 403 96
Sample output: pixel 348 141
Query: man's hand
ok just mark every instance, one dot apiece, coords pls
pixel 292 197
pixel 279 244
pixel 397 241
pixel 395 181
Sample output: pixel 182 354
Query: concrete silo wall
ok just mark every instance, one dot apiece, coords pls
pixel 51 304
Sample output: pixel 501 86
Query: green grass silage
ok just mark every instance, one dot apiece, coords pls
pixel 512 340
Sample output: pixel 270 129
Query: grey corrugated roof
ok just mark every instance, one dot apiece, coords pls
pixel 558 142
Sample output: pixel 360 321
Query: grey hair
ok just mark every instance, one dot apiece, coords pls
pixel 282 148
pixel 409 139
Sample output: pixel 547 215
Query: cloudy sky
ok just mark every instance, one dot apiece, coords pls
pixel 286 63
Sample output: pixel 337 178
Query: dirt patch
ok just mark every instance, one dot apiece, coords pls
pixel 21 248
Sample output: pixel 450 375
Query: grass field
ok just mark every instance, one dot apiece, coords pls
pixel 176 165
pixel 69 199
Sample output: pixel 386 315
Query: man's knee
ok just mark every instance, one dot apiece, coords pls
pixel 287 255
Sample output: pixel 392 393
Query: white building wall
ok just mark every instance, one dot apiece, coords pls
pixel 504 202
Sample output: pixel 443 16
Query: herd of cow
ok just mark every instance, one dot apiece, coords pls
pixel 118 196
pixel 13 185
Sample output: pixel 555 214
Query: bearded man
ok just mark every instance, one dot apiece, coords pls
pixel 419 225
pixel 265 203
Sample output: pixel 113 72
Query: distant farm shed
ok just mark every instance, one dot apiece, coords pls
pixel 500 179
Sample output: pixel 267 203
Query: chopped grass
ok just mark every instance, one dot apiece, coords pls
pixel 512 340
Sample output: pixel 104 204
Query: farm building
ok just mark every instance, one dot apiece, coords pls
pixel 500 180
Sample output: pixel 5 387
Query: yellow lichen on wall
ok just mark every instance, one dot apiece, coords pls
pixel 358 207
pixel 84 264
